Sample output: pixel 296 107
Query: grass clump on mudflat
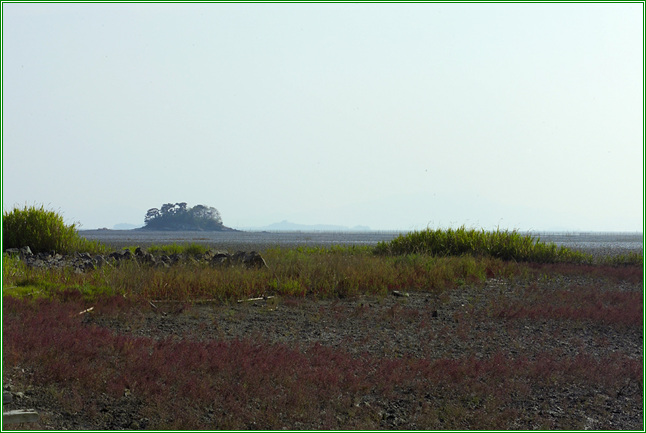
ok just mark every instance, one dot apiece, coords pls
pixel 505 245
pixel 43 231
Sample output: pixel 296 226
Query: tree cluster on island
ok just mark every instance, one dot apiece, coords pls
pixel 179 216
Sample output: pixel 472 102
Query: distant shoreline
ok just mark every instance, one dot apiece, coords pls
pixel 599 243
pixel 535 233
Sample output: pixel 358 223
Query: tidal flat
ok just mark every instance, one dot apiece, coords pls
pixel 328 338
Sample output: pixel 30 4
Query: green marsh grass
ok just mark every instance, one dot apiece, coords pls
pixel 505 245
pixel 430 261
pixel 20 281
pixel 43 231
pixel 628 259
pixel 323 273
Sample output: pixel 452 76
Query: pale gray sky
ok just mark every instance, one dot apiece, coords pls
pixel 394 116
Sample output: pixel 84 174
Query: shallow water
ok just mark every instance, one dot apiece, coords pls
pixel 617 242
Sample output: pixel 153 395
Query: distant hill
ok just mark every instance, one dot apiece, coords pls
pixel 286 226
pixel 126 226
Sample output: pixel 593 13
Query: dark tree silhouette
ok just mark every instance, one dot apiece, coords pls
pixel 178 216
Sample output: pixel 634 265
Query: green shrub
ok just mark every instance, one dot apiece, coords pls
pixel 506 245
pixel 42 231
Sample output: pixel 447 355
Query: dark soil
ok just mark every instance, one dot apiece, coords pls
pixel 456 324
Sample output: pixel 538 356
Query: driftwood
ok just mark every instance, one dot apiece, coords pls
pixel 18 415
pixel 202 301
pixel 86 311
pixel 262 298
pixel 175 301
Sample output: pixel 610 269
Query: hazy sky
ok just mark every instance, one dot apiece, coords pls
pixel 394 116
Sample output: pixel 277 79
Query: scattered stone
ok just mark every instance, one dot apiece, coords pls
pixel 99 260
pixel 248 260
pixel 254 260
pixel 84 262
pixel 13 252
pixel 220 259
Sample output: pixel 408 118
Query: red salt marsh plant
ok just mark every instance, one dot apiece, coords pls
pixel 615 273
pixel 575 303
pixel 244 384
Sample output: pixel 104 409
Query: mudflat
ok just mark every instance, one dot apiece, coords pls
pixel 559 347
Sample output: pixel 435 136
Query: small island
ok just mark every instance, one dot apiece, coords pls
pixel 180 217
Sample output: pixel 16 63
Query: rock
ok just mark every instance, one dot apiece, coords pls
pixel 84 262
pixel 99 260
pixel 175 258
pixel 220 259
pixel 121 255
pixel 149 259
pixel 85 256
pixel 22 252
pixel 210 255
pixel 254 260
pixel 238 257
pixel 249 260
pixel 161 264
pixel 144 257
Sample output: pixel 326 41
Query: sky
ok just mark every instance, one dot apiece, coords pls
pixel 392 116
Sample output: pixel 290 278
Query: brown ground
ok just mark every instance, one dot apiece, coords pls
pixel 421 325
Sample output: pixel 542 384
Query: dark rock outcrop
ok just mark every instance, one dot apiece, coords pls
pixel 248 260
pixel 83 262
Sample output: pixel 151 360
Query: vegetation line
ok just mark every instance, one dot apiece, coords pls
pixel 429 260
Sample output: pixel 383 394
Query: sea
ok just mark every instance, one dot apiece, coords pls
pixel 612 242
